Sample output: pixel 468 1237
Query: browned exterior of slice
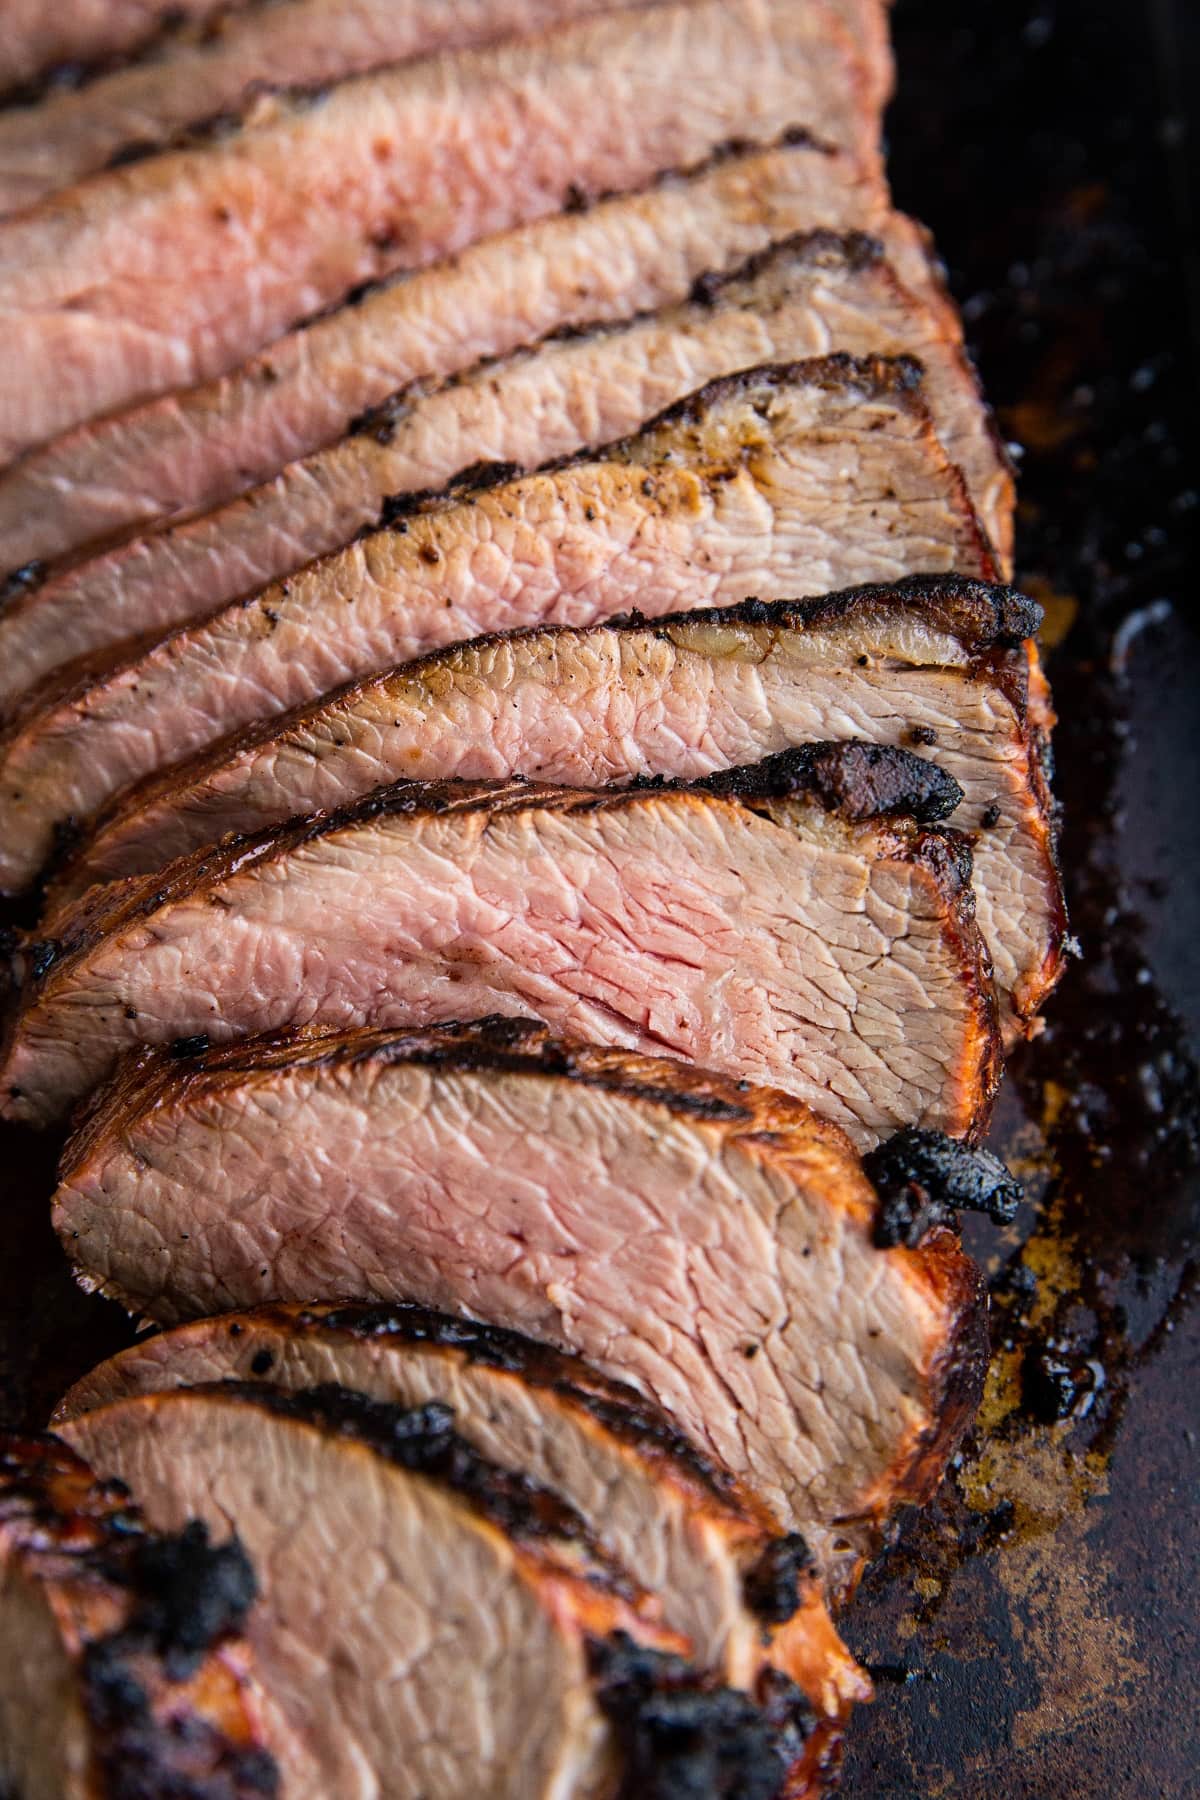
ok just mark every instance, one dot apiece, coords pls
pixel 711 1242
pixel 175 269
pixel 810 942
pixel 465 1645
pixel 746 1597
pixel 103 1694
pixel 942 663
pixel 602 260
pixel 795 478
pixel 573 391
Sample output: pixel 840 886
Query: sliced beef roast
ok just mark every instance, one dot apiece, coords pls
pixel 936 662
pixel 710 1242
pixel 462 1648
pixel 135 110
pixel 619 256
pixel 798 299
pixel 122 1667
pixel 177 268
pixel 791 478
pixel 42 41
pixel 771 923
pixel 747 1597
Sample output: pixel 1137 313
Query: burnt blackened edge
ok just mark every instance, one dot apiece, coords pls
pixel 681 1734
pixel 619 1409
pixel 923 1179
pixel 771 1586
pixel 857 781
pixel 185 1598
pixel 422 1440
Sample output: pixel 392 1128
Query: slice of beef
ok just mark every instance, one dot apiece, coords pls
pixel 795 478
pixel 453 1643
pixel 771 922
pixel 60 42
pixel 129 113
pixel 746 1596
pixel 123 1671
pixel 710 1242
pixel 935 662
pixel 174 270
pixel 798 299
pixel 630 253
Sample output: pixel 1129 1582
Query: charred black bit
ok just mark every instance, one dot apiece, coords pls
pixel 480 475
pixel 859 781
pixel 184 1597
pixel 682 1737
pixel 43 954
pixel 183 1047
pixel 1056 1385
pixel 380 421
pixel 423 1440
pixel 621 1410
pixel 190 1594
pixel 22 581
pixel 772 1587
pixel 923 1178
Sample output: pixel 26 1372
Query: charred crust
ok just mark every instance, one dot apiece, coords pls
pixel 25 580
pixel 121 905
pixel 957 1376
pixel 819 249
pixel 946 857
pixel 190 1594
pixel 680 1733
pixel 858 781
pixel 180 1599
pixel 732 149
pixel 924 1179
pixel 422 1440
pixel 876 377
pixel 771 1587
pixel 620 1409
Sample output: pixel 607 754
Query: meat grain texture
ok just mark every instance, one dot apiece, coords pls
pixel 803 298
pixel 453 1648
pixel 812 475
pixel 173 270
pixel 699 1541
pixel 127 113
pixel 942 663
pixel 837 957
pixel 630 253
pixel 710 1243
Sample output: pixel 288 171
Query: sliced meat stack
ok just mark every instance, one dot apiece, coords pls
pixel 745 1595
pixel 176 268
pixel 815 474
pixel 123 115
pixel 535 806
pixel 122 1667
pixel 472 1637
pixel 603 260
pixel 775 922
pixel 711 1243
pixel 940 663
pixel 575 390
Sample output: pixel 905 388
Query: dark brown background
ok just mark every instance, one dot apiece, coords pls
pixel 1033 1635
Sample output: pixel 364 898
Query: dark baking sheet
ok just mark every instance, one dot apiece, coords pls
pixel 1033 1634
